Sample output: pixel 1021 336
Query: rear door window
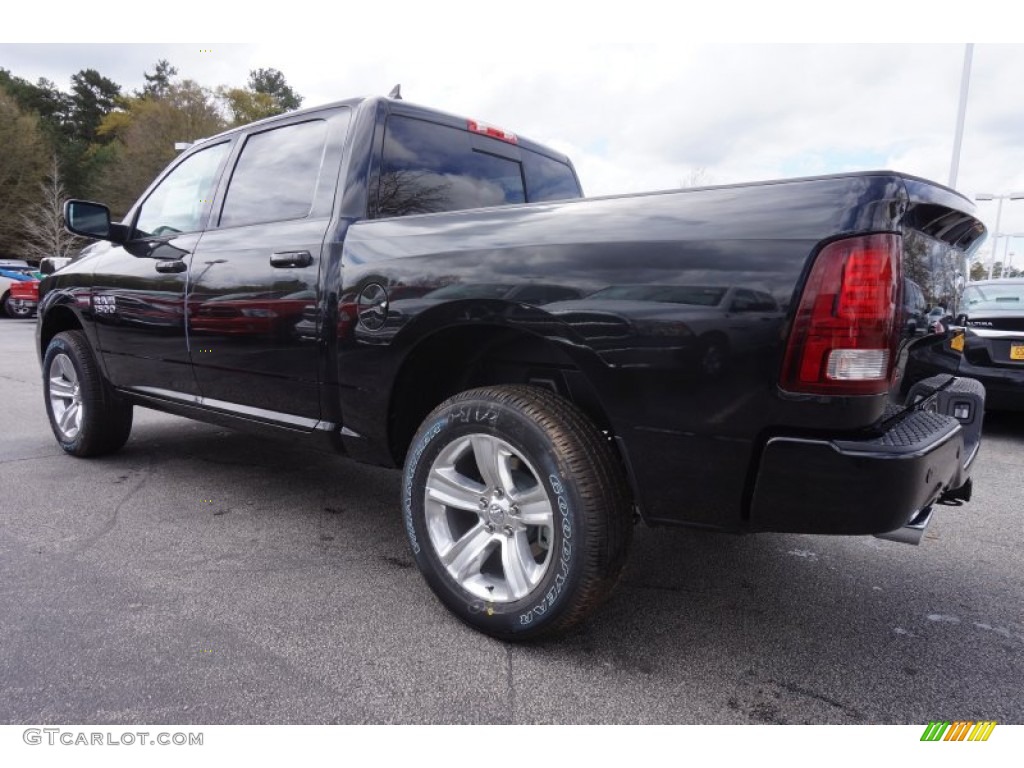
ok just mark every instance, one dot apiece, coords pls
pixel 276 176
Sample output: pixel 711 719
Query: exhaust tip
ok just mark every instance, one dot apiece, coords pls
pixel 913 531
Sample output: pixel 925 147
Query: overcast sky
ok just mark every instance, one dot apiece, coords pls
pixel 635 101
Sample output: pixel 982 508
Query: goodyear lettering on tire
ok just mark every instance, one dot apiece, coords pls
pixel 565 556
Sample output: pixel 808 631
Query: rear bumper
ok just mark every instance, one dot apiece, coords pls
pixel 1004 387
pixel 28 306
pixel 874 486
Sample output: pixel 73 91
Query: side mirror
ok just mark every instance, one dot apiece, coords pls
pixel 91 220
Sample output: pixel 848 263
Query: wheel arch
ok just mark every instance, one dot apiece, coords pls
pixel 58 318
pixel 454 359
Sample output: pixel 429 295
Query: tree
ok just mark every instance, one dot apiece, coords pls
pixel 69 121
pixel 267 95
pixel 44 233
pixel 158 84
pixel 143 138
pixel 272 83
pixel 54 109
pixel 22 167
pixel 93 97
pixel 45 99
pixel 245 106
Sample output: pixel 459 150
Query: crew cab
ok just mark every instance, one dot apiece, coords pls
pixel 419 290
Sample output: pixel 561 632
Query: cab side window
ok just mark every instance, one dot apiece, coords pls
pixel 276 176
pixel 181 200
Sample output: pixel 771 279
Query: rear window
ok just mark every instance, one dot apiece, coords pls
pixel 430 168
pixel 548 179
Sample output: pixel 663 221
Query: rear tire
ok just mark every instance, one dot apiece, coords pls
pixel 17 309
pixel 87 417
pixel 517 510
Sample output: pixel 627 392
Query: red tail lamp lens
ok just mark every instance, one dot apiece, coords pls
pixel 844 335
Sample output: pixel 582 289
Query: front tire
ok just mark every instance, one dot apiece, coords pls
pixel 87 417
pixel 517 510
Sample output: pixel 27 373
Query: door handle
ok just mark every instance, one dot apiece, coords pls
pixel 170 266
pixel 291 259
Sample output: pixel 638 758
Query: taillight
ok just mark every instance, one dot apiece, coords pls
pixel 845 334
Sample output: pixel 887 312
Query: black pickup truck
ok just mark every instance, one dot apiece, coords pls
pixel 414 289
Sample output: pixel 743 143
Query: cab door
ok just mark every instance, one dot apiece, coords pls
pixel 138 300
pixel 255 276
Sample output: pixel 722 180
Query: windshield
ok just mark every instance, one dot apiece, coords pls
pixel 1005 296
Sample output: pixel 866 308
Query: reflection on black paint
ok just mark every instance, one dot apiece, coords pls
pixel 255 314
pixel 697 330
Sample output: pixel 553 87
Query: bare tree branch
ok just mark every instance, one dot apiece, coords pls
pixel 43 224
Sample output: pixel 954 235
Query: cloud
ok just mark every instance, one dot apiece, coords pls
pixel 635 116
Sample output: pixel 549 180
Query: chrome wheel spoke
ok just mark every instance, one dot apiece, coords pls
pixel 465 556
pixel 521 571
pixel 62 388
pixel 492 459
pixel 534 507
pixel 446 486
pixel 67 370
pixel 69 419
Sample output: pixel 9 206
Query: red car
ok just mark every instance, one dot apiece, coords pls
pixel 23 299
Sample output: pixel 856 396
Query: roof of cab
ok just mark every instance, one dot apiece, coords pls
pixel 396 106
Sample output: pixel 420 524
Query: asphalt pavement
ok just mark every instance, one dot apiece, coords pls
pixel 205 576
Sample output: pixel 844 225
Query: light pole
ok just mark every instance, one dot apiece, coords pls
pixel 999 214
pixel 958 135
